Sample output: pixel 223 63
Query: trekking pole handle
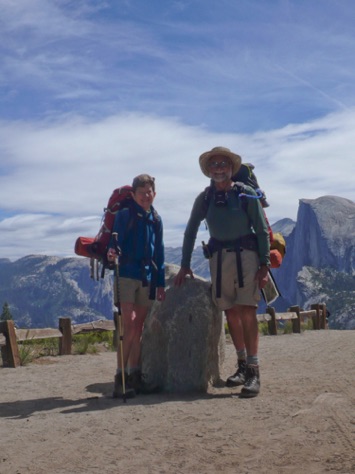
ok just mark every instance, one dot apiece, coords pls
pixel 115 240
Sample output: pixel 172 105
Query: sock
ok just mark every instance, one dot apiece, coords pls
pixel 242 355
pixel 252 360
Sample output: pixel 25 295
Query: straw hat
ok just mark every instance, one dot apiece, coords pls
pixel 219 151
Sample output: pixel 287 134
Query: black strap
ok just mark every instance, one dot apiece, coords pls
pixel 238 188
pixel 239 265
pixel 219 273
pixel 153 281
pixel 237 251
pixel 248 242
pixel 157 243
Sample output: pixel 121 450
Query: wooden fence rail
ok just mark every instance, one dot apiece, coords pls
pixel 10 336
pixel 318 314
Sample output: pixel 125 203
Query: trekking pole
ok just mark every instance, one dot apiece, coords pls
pixel 117 303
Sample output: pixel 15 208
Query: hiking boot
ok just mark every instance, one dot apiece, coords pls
pixel 252 383
pixel 147 389
pixel 239 377
pixel 118 388
pixel 139 384
pixel 134 381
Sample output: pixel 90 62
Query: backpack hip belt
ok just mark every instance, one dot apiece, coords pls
pixel 246 242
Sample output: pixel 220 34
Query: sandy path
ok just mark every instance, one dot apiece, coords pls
pixel 58 417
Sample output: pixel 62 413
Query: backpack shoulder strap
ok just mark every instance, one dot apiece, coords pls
pixel 241 190
pixel 238 187
pixel 208 192
pixel 156 217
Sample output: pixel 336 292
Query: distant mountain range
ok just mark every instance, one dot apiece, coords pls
pixel 319 266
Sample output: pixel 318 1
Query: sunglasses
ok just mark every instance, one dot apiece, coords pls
pixel 219 164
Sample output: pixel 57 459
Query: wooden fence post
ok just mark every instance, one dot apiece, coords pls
pixel 296 323
pixel 65 342
pixel 9 353
pixel 323 320
pixel 272 325
pixel 316 318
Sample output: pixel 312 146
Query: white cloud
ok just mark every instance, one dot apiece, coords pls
pixel 93 93
pixel 59 176
pixel 254 66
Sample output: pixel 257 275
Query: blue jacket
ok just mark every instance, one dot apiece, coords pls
pixel 140 238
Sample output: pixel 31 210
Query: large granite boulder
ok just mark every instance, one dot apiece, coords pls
pixel 183 340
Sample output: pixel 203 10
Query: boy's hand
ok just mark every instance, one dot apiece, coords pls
pixel 111 255
pixel 160 293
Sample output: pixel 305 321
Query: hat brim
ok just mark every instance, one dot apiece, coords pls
pixel 236 160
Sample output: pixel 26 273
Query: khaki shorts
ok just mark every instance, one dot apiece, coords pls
pixel 231 294
pixel 132 291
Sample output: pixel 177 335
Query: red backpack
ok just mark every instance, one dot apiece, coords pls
pixel 96 247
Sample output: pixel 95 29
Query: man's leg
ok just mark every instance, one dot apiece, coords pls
pixel 243 327
pixel 251 337
pixel 235 326
pixel 250 329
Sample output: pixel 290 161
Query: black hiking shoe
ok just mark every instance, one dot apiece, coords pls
pixel 148 389
pixel 134 381
pixel 118 391
pixel 252 383
pixel 239 377
pixel 139 384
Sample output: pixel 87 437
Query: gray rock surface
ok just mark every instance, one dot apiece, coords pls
pixel 183 340
pixel 319 265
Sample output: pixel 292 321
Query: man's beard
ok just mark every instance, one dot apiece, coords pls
pixel 220 178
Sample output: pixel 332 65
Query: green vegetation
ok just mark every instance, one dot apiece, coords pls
pixel 283 328
pixel 26 353
pixel 6 314
pixel 263 328
pixel 96 341
pixel 89 343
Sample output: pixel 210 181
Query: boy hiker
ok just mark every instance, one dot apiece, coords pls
pixel 239 252
pixel 141 276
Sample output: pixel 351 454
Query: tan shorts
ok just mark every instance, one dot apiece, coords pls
pixel 231 294
pixel 132 291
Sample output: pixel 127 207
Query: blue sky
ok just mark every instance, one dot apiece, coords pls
pixel 96 92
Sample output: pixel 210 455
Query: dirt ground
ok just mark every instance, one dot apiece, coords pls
pixel 58 416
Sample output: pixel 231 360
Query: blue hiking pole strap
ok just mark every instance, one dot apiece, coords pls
pixel 259 194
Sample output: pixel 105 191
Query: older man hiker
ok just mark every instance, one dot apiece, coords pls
pixel 239 251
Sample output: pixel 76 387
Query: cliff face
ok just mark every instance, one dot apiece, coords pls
pixel 41 289
pixel 320 258
pixel 324 235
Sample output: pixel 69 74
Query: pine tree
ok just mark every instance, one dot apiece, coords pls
pixel 6 314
